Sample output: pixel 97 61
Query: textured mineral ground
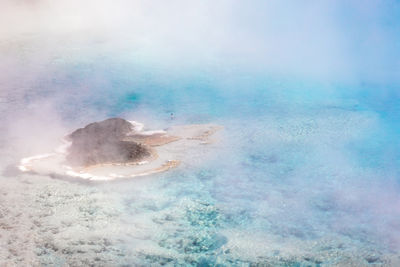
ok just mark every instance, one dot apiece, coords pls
pixel 117 148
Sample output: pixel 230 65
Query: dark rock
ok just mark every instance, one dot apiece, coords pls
pixel 103 142
pixel 372 259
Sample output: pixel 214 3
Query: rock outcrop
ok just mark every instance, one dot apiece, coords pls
pixel 117 149
pixel 104 142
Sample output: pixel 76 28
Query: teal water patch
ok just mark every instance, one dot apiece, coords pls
pixel 305 174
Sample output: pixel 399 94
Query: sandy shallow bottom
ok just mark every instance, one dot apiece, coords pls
pixel 232 203
pixel 52 222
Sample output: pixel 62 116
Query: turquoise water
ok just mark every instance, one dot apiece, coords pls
pixel 307 172
pixel 307 169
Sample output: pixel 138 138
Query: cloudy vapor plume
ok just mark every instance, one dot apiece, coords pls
pixel 307 166
pixel 330 39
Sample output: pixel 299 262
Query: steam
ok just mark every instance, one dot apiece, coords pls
pixel 310 88
pixel 335 40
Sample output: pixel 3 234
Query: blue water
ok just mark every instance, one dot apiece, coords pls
pixel 307 172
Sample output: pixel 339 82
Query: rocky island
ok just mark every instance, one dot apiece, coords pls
pixel 104 142
pixel 118 148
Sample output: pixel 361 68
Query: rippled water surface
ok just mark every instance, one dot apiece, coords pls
pixel 306 173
